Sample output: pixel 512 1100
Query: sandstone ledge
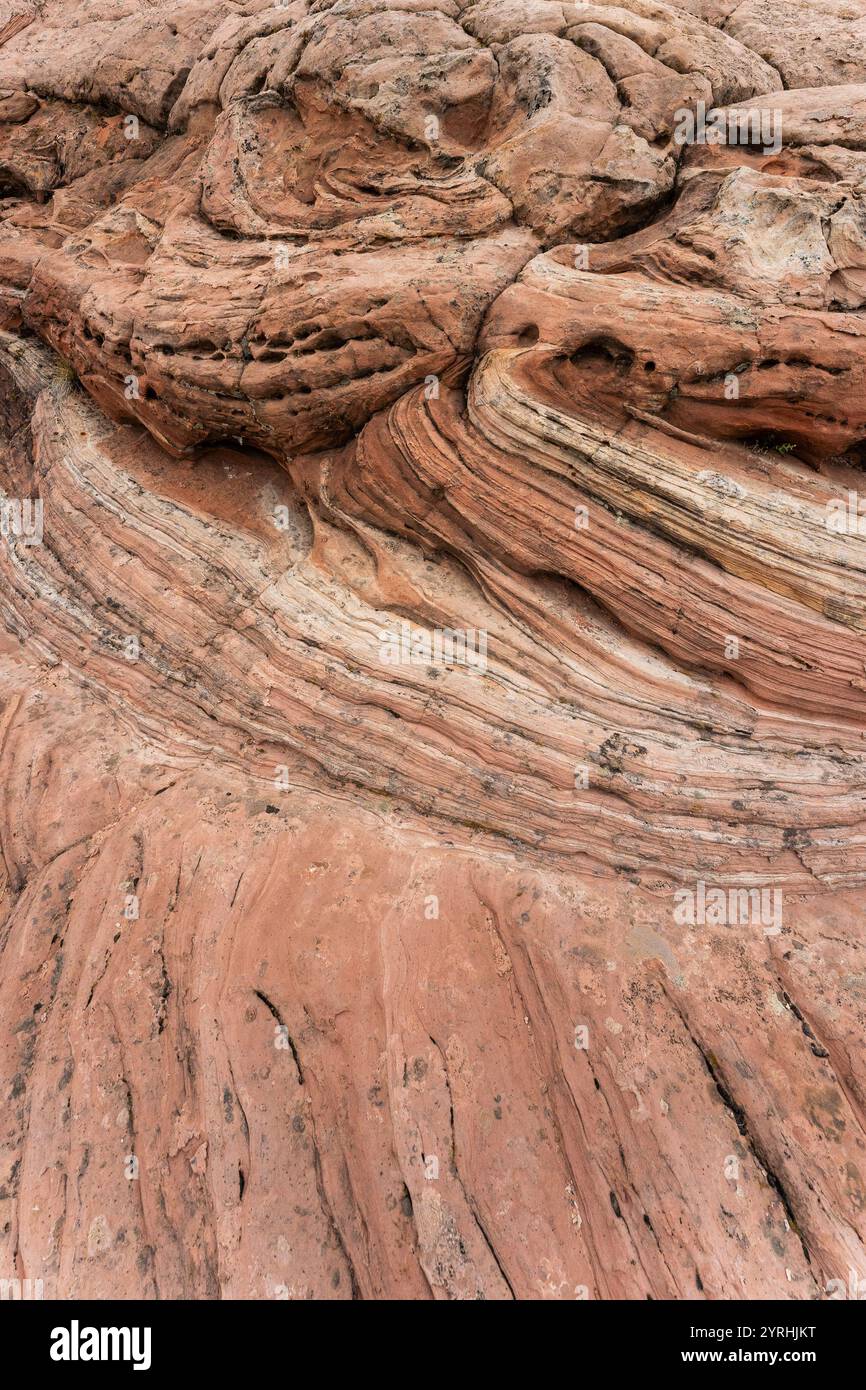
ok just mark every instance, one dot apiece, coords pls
pixel 328 321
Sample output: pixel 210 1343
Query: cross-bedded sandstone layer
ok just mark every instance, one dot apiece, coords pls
pixel 333 967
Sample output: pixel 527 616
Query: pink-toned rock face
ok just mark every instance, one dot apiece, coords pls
pixel 433 655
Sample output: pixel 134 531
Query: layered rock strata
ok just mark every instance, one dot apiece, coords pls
pixel 432 683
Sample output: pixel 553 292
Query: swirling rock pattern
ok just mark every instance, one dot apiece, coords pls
pixel 338 962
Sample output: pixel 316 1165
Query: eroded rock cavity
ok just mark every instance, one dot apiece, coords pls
pixel 432 732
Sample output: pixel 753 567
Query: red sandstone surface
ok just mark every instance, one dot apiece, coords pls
pixel 335 966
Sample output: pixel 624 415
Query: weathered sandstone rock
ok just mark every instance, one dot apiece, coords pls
pixel 335 965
